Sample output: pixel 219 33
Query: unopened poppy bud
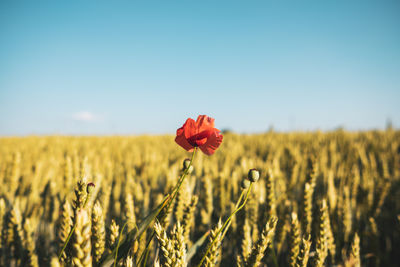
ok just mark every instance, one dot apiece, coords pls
pixel 90 188
pixel 245 183
pixel 186 164
pixel 253 175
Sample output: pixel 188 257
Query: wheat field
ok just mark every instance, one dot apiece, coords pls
pixel 322 199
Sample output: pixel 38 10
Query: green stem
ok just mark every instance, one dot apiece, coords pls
pixel 230 222
pixel 86 200
pixel 73 228
pixel 147 255
pixel 119 240
pixel 226 224
pixel 180 181
pixel 174 191
pixel 66 241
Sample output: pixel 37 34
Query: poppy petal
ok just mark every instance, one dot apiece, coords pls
pixel 190 128
pixel 200 138
pixel 212 143
pixel 204 122
pixel 181 140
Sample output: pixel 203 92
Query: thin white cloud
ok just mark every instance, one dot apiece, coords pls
pixel 85 116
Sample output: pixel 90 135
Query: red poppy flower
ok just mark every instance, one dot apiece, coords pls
pixel 200 133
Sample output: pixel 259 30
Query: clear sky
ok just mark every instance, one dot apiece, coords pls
pixel 125 67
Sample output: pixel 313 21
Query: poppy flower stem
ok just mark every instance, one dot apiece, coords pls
pixel 174 192
pixel 230 222
pixel 227 222
pixel 180 181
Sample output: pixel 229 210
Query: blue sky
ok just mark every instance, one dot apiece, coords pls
pixel 125 67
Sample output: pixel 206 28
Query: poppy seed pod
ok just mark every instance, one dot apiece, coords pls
pixel 186 164
pixel 245 184
pixel 90 188
pixel 253 175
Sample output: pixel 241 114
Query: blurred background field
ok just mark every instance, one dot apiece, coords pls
pixel 338 184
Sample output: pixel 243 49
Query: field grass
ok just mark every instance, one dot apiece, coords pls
pixel 323 199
